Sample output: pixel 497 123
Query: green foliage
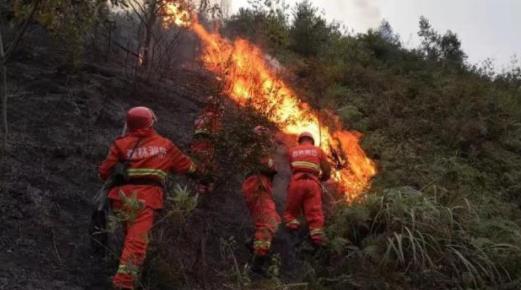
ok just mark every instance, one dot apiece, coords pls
pixel 128 212
pixel 183 202
pixel 265 25
pixel 403 230
pixel 237 274
pixel 444 207
pixel 236 142
pixel 69 21
pixel 309 31
pixel 440 47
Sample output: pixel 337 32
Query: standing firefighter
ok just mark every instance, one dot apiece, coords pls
pixel 309 166
pixel 206 127
pixel 257 190
pixel 148 158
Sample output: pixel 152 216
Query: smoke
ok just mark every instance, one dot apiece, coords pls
pixel 369 11
pixel 359 15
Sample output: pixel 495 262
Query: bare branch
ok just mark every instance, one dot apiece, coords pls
pixel 122 47
pixel 22 31
pixel 139 15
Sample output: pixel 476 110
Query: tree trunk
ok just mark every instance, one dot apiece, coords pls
pixel 4 57
pixel 149 26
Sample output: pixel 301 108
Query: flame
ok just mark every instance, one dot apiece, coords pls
pixel 249 80
pixel 174 14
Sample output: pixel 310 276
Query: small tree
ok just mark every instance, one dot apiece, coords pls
pixel 450 47
pixel 438 47
pixel 386 32
pixel 309 31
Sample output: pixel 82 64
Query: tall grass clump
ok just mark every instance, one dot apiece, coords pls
pixel 412 238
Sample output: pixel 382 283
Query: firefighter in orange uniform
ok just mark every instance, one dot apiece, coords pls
pixel 150 157
pixel 206 127
pixel 257 190
pixel 309 166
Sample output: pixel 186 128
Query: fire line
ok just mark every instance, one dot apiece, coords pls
pixel 250 81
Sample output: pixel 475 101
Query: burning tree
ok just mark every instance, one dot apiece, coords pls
pixel 249 80
pixel 157 37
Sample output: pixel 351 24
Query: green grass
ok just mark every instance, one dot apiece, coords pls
pixel 407 233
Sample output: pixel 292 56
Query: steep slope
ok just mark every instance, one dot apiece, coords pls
pixel 61 126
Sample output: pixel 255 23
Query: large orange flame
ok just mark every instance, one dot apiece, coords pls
pixel 250 80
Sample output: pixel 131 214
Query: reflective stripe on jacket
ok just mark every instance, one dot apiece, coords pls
pixel 153 158
pixel 307 158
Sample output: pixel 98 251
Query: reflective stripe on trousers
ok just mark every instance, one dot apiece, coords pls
pixel 316 232
pixel 129 269
pixel 262 245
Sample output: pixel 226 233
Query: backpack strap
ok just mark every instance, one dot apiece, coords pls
pixel 126 161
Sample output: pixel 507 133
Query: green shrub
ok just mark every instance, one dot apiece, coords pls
pixel 410 234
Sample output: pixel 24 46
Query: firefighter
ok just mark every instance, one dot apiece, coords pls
pixel 257 190
pixel 206 127
pixel 309 166
pixel 148 158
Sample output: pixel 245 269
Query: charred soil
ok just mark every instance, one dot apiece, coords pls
pixel 61 125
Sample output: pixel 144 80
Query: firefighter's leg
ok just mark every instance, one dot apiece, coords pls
pixel 258 195
pixel 249 187
pixel 314 213
pixel 293 205
pixel 200 151
pixel 134 249
pixel 266 223
pixel 262 241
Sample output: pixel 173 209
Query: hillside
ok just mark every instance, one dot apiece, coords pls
pixel 443 211
pixel 61 126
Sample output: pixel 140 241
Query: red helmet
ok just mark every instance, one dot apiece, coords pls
pixel 140 118
pixel 306 135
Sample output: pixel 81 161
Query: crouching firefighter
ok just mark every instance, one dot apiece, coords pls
pixel 309 166
pixel 257 190
pixel 147 158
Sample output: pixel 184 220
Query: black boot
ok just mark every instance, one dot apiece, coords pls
pixel 249 244
pixel 260 265
pixel 294 238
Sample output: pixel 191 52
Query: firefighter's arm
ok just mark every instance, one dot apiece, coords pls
pixel 325 167
pixel 181 163
pixel 105 169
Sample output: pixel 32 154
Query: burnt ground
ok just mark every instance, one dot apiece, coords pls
pixel 61 125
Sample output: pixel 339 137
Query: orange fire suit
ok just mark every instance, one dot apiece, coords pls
pixel 309 165
pixel 136 201
pixel 203 147
pixel 257 190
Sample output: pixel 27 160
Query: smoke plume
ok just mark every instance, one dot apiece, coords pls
pixel 370 13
